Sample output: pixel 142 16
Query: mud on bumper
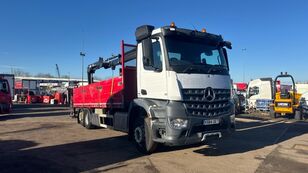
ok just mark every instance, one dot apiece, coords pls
pixel 195 132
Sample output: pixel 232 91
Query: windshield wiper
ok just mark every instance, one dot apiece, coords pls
pixel 191 67
pixel 176 62
pixel 216 68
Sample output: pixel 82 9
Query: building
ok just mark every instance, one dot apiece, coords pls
pixel 40 85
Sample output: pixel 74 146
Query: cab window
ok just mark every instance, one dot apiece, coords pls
pixel 4 87
pixel 157 57
pixel 253 91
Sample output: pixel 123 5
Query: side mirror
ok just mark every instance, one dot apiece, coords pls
pixel 147 52
pixel 224 50
pixel 228 44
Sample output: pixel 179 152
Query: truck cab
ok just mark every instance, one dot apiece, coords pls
pixel 5 96
pixel 184 79
pixel 259 89
pixel 178 92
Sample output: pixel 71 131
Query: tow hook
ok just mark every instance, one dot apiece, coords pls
pixel 211 134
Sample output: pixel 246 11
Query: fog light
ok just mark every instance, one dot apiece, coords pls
pixel 232 119
pixel 178 123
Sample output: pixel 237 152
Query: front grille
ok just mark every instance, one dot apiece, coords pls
pixel 197 104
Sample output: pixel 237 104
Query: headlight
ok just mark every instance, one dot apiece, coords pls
pixel 232 119
pixel 178 123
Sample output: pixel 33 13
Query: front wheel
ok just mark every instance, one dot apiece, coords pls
pixel 143 135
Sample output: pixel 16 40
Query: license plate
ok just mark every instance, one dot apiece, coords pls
pixel 283 104
pixel 211 122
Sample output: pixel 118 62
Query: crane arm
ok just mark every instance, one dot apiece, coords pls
pixel 101 63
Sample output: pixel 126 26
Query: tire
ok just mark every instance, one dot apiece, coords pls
pixel 5 108
pixel 80 117
pixel 143 135
pixel 298 115
pixel 272 112
pixel 10 108
pixel 87 120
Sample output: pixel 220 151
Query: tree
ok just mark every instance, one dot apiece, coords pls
pixel 45 75
pixel 21 73
pixel 65 76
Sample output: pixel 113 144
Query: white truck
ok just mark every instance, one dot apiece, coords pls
pixel 259 89
pixel 173 88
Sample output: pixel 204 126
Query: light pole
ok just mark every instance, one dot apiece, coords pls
pixel 244 50
pixel 82 55
pixel 69 78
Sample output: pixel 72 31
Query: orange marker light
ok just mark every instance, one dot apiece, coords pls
pixel 203 30
pixel 172 24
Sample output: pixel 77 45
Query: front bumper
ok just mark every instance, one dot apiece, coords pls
pixel 284 110
pixel 194 133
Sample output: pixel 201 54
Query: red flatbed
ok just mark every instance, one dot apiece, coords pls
pixel 109 93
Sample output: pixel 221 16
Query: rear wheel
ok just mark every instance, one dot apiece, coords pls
pixel 298 115
pixel 87 119
pixel 80 118
pixel 143 135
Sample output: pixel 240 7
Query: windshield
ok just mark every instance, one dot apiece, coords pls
pixel 4 86
pixel 188 56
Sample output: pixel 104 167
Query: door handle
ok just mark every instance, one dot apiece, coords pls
pixel 143 92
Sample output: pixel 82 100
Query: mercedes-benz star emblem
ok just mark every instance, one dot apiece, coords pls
pixel 209 94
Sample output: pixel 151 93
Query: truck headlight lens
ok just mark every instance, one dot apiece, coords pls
pixel 178 123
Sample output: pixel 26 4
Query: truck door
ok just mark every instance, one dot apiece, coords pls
pixel 152 78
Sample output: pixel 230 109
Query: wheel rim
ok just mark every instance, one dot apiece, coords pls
pixel 138 134
pixel 86 120
pixel 80 116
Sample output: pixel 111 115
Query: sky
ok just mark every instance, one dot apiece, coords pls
pixel 268 36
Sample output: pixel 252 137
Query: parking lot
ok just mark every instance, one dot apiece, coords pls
pixel 43 138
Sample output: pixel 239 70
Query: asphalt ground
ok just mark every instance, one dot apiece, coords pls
pixel 43 138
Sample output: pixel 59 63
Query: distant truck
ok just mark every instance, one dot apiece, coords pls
pixel 5 96
pixel 25 95
pixel 259 89
pixel 172 88
pixel 240 96
pixel 240 87
pixel 304 106
pixel 11 80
